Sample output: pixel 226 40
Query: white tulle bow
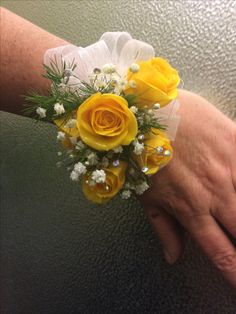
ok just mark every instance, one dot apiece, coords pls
pixel 118 48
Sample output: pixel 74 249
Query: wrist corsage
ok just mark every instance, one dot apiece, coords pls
pixel 114 104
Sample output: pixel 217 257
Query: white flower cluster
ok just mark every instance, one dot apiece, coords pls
pixel 125 194
pixel 99 176
pixel 118 149
pixel 141 188
pixel 41 112
pixel 134 109
pixel 79 145
pixel 60 136
pixel 71 123
pixel 59 109
pixel 92 159
pixel 78 170
pixel 138 147
pixel 121 85
pixel 108 76
pixel 108 68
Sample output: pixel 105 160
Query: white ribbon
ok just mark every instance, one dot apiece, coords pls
pixel 168 116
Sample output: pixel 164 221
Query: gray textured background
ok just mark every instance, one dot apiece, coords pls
pixel 61 254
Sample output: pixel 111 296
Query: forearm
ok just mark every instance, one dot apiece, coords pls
pixel 22 48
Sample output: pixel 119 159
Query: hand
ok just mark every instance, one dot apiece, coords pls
pixel 197 189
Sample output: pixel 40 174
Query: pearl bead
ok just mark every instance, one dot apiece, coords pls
pixel 116 163
pixel 141 137
pixel 159 149
pixel 145 169
pixel 167 153
pixel 96 71
pixel 157 106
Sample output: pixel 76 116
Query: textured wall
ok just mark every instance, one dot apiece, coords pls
pixel 198 37
pixel 60 254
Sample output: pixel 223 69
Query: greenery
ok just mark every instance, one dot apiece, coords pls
pixel 71 98
pixel 61 93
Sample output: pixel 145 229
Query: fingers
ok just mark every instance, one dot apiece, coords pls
pixel 215 244
pixel 227 217
pixel 167 231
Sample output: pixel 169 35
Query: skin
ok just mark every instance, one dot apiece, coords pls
pixel 22 48
pixel 196 190
pixel 198 187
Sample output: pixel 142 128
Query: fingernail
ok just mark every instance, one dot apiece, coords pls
pixel 169 258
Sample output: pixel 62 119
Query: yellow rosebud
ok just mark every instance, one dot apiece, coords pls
pixel 152 157
pixel 156 82
pixel 102 192
pixel 104 122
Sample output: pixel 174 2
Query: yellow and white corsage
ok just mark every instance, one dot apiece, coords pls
pixel 114 104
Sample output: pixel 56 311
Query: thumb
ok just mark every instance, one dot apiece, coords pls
pixel 168 232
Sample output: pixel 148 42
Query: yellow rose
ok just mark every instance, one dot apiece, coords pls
pixel 150 157
pixel 103 192
pixel 104 122
pixel 156 82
